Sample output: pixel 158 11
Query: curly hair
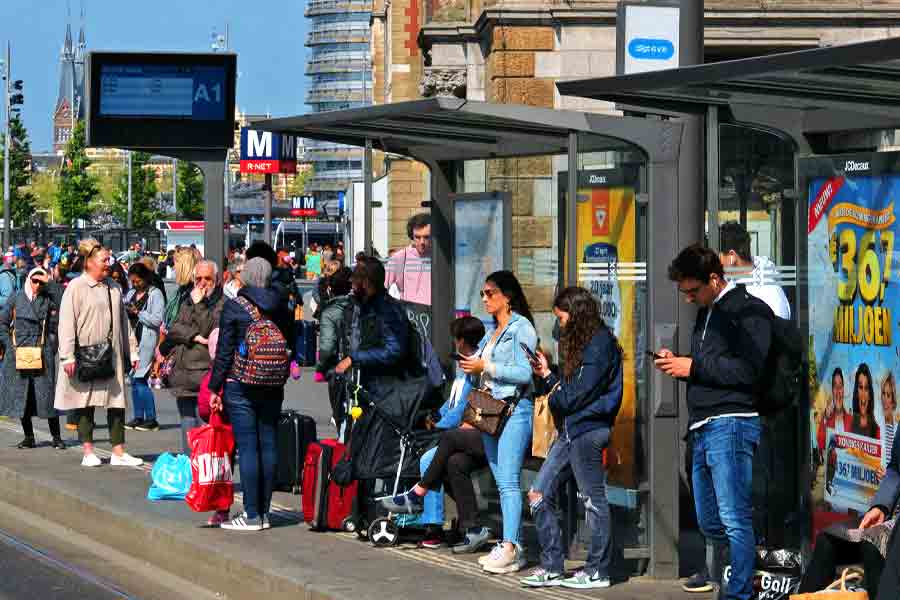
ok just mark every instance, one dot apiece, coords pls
pixel 583 324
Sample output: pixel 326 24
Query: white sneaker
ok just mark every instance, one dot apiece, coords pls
pixel 125 460
pixel 91 460
pixel 496 552
pixel 243 523
pixel 506 562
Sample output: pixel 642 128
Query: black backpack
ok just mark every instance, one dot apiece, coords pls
pixel 784 376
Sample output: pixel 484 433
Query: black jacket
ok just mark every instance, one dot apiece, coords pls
pixel 379 340
pixel 729 360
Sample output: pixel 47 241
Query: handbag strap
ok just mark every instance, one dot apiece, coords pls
pixel 12 326
pixel 111 317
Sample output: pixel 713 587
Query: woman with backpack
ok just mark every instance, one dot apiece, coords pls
pixel 253 392
pixel 585 399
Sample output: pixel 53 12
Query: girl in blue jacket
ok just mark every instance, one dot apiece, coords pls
pixel 584 399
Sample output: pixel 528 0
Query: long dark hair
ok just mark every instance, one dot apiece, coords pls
pixel 583 324
pixel 507 283
pixel 863 369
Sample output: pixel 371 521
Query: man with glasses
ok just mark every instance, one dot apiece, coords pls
pixel 409 270
pixel 729 345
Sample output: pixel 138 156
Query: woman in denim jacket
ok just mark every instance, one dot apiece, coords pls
pixel 502 366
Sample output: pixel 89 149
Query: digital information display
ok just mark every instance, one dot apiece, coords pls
pixel 165 91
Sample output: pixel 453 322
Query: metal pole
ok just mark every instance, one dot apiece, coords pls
pixel 267 211
pixel 7 230
pixel 367 198
pixel 175 187
pixel 572 251
pixel 128 225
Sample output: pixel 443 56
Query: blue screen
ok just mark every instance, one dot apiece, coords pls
pixel 163 91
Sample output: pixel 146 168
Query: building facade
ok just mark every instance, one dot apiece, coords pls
pixel 340 78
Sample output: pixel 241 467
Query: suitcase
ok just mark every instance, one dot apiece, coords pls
pixel 295 433
pixel 325 504
pixel 307 342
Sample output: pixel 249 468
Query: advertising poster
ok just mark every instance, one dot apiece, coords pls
pixel 852 223
pixel 607 237
pixel 480 247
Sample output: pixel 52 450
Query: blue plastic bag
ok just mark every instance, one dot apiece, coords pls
pixel 171 477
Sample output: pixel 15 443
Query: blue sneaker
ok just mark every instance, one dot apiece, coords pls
pixel 408 502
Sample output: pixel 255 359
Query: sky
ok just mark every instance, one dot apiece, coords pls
pixel 268 39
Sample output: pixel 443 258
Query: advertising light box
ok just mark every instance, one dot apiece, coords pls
pixel 160 100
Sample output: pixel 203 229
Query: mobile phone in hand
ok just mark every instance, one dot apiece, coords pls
pixel 531 355
pixel 654 355
pixel 457 356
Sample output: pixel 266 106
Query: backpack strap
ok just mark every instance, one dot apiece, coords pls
pixel 251 308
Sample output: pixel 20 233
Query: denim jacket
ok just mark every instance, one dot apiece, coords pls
pixel 509 367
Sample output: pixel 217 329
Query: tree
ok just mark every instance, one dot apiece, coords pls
pixel 21 199
pixel 45 188
pixel 190 191
pixel 298 185
pixel 77 187
pixel 145 209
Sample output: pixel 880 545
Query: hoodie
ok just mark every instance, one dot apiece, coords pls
pixel 233 328
pixel 759 284
pixel 9 283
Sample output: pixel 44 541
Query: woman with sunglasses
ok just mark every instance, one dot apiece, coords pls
pixel 91 313
pixel 30 318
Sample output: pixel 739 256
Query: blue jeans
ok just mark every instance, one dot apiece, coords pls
pixel 723 490
pixel 254 413
pixel 433 511
pixel 582 457
pixel 142 399
pixel 505 456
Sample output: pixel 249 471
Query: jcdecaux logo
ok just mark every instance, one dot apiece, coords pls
pixel 651 49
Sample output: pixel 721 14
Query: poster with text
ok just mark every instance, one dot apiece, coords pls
pixel 853 306
pixel 606 242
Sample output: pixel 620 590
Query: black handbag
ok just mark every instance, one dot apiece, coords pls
pixel 95 362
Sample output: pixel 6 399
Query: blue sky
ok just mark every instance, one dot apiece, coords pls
pixel 268 38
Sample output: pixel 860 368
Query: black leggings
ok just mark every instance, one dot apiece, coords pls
pixel 459 453
pixel 832 551
pixel 31 411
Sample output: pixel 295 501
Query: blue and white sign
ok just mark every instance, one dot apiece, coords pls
pixel 266 152
pixel 651 38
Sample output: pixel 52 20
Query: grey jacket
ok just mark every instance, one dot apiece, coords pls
pixel 151 318
pixel 889 489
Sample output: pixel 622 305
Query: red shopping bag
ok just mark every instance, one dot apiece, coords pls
pixel 212 446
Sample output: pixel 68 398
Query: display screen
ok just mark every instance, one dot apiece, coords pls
pixel 165 91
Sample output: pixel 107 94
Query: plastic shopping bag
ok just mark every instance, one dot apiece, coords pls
pixel 171 477
pixel 212 446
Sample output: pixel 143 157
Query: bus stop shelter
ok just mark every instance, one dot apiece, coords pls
pixel 447 135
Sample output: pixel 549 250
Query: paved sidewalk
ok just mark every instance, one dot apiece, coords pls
pixel 109 505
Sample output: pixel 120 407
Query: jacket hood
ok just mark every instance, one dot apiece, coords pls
pixel 265 299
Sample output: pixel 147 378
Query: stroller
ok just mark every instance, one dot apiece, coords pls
pixel 385 445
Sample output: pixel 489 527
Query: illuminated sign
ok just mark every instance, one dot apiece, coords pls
pixel 266 152
pixel 303 206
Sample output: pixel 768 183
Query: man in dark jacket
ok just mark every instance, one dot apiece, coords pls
pixel 729 345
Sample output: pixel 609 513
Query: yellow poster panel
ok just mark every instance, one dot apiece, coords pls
pixel 606 236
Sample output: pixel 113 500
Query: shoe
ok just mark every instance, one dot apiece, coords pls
pixel 696 583
pixel 217 518
pixel 582 581
pixel 541 577
pixel 296 371
pixel 148 426
pixel 501 561
pixel 434 539
pixel 26 443
pixel 58 444
pixel 243 523
pixel 91 460
pixel 133 424
pixel 473 541
pixel 125 460
pixel 409 503
pixel 266 524
pixel 73 427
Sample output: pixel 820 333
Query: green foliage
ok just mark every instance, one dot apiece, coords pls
pixel 45 188
pixel 298 186
pixel 145 209
pixel 21 199
pixel 190 191
pixel 77 187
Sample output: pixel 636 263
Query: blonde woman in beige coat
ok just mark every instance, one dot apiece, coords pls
pixel 86 309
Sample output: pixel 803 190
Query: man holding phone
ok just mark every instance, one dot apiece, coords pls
pixel 729 345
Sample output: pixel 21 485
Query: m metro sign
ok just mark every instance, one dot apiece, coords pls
pixel 266 153
pixel 303 206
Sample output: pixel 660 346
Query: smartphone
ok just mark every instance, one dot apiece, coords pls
pixel 531 355
pixel 457 356
pixel 654 355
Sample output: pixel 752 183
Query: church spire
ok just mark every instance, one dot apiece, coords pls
pixel 82 44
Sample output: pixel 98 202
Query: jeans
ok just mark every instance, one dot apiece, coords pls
pixel 187 410
pixel 254 413
pixel 722 475
pixel 459 453
pixel 143 399
pixel 582 457
pixel 505 456
pixel 433 511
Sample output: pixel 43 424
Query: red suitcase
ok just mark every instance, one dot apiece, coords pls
pixel 325 504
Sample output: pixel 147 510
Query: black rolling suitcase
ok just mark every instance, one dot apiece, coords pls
pixel 295 432
pixel 308 338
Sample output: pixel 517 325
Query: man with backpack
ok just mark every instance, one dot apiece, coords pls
pixel 729 350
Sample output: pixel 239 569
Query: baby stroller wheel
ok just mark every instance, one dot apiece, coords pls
pixel 349 525
pixel 384 532
pixel 361 528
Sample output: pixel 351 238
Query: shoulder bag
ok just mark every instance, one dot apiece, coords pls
pixel 96 361
pixel 486 413
pixel 28 358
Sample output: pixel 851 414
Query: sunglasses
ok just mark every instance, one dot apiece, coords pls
pixel 488 293
pixel 38 282
pixel 94 249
